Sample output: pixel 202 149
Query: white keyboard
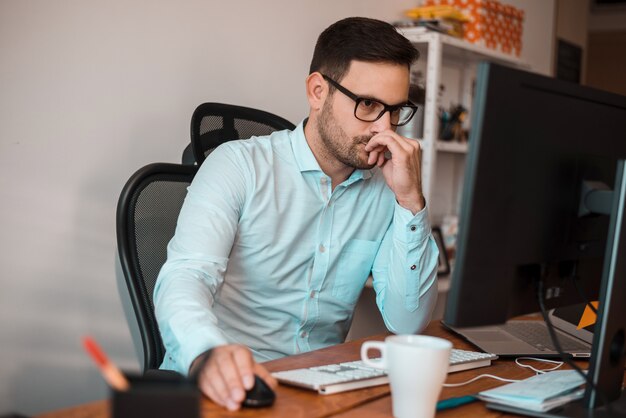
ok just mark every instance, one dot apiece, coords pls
pixel 340 377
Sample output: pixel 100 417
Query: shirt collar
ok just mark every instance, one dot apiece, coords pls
pixel 306 160
pixel 302 152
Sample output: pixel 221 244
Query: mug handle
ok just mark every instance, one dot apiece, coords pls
pixel 375 345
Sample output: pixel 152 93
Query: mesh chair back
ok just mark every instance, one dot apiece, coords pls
pixel 147 212
pixel 215 123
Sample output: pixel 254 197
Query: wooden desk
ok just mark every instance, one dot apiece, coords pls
pixel 370 402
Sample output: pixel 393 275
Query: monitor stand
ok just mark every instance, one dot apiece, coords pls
pixel 606 366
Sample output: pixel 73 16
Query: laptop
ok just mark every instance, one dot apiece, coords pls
pixel 530 338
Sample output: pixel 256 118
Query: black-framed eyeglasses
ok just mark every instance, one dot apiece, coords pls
pixel 370 110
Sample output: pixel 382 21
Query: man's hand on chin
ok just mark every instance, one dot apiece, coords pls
pixel 402 171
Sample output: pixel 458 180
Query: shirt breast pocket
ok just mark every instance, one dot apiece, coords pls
pixel 353 267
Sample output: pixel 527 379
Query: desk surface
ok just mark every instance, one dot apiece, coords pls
pixel 370 402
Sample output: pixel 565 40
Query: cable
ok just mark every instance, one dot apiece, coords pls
pixel 454 385
pixel 542 360
pixel 557 345
pixel 559 364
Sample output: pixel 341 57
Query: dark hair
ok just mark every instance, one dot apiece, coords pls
pixel 360 39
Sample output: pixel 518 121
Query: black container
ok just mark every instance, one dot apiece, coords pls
pixel 156 397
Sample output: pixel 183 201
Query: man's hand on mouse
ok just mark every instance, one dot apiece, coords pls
pixel 403 171
pixel 228 373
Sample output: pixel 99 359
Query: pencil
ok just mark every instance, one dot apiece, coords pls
pixel 111 374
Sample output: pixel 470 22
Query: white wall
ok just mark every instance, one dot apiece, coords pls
pixel 573 21
pixel 91 91
pixel 572 26
pixel 538 36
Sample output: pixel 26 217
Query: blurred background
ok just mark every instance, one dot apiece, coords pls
pixel 91 91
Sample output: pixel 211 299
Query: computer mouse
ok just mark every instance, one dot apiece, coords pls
pixel 260 395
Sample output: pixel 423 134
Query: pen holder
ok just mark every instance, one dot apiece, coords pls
pixel 156 397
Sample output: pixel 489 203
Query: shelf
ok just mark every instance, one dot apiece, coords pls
pixel 452 146
pixel 460 48
pixel 452 63
pixel 448 146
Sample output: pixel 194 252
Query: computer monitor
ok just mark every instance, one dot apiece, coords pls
pixel 543 201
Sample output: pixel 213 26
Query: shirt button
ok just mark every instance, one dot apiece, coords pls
pixel 413 267
pixel 312 294
pixel 303 334
pixel 413 227
pixel 322 248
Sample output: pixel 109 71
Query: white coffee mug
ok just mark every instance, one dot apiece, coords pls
pixel 417 366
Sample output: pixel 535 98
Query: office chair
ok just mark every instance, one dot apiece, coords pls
pixel 147 212
pixel 151 200
pixel 215 123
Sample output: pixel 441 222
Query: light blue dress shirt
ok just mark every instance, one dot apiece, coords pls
pixel 267 255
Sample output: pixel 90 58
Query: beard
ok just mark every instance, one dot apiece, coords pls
pixel 348 151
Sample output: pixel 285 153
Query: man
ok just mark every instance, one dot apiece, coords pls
pixel 278 234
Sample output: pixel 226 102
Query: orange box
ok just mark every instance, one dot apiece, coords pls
pixel 492 24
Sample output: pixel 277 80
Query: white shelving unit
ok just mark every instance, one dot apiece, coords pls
pixel 452 62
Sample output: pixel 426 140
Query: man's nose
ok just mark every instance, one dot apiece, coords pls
pixel 382 124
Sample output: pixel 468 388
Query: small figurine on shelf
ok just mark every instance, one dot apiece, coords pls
pixel 452 123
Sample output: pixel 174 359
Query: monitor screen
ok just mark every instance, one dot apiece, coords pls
pixel 542 215
pixel 535 144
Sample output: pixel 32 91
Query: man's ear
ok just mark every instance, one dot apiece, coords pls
pixel 316 90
